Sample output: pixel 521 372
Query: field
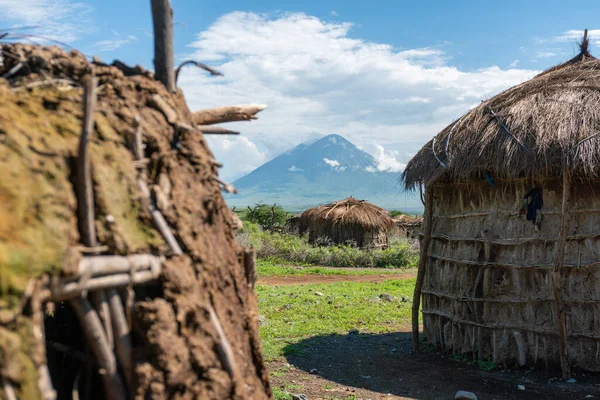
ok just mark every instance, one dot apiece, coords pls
pixel 351 340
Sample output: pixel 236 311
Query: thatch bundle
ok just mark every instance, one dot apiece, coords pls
pixel 532 129
pixel 348 221
pixel 518 287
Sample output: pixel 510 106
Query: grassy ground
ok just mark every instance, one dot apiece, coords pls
pixel 274 267
pixel 294 313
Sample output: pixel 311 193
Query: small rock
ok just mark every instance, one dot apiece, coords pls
pixel 520 387
pixel 404 299
pixel 338 306
pixel 319 294
pixel 462 395
pixel 110 219
pixel 288 306
pixel 353 332
pixel 386 297
pixel 394 350
pixel 261 320
pixel 299 397
pixel 571 380
pixel 589 396
pixel 375 300
pixel 314 371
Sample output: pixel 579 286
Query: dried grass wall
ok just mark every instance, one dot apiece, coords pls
pixel 488 283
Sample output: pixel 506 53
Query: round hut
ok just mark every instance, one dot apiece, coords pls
pixel 510 259
pixel 408 225
pixel 348 221
pixel 292 224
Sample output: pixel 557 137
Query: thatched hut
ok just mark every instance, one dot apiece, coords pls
pixel 292 224
pixel 510 266
pixel 348 221
pixel 408 225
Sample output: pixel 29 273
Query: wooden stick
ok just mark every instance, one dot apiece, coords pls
pixel 106 265
pixel 217 130
pixel 159 104
pixel 100 303
pixel 44 382
pixel 122 334
pixel 84 188
pixel 223 344
pixel 159 220
pixel 205 67
pixel 427 224
pixel 227 114
pixel 162 18
pixel 228 187
pixel 61 291
pixel 250 266
pixel 92 327
pixel 556 276
pixel 9 392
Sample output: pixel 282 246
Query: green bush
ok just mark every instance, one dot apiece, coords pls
pixel 402 253
pixel 265 215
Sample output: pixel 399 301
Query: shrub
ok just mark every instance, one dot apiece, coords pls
pixel 265 215
pixel 402 252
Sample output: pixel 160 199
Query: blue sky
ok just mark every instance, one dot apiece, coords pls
pixel 386 75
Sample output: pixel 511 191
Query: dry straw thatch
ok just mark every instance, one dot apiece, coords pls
pixel 534 129
pixel 348 220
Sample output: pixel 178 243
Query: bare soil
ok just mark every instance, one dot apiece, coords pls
pixel 381 366
pixel 313 279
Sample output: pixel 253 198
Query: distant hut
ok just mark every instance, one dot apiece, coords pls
pixel 292 225
pixel 235 220
pixel 510 258
pixel 348 221
pixel 408 225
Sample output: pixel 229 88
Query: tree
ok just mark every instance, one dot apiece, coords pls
pixel 267 216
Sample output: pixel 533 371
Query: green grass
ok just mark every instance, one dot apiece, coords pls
pixel 293 313
pixel 295 249
pixel 278 267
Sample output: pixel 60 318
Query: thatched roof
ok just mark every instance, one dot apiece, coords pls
pixel 349 212
pixel 535 129
pixel 407 220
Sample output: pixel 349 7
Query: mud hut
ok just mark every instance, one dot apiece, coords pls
pixel 510 267
pixel 119 273
pixel 292 224
pixel 408 225
pixel 348 221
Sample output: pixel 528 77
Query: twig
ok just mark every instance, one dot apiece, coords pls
pixel 228 187
pixel 122 333
pixel 223 345
pixel 205 67
pixel 92 327
pixel 497 118
pixel 13 71
pixel 9 392
pixel 101 304
pixel 217 130
pixel 250 266
pixel 61 291
pixel 227 114
pixel 92 250
pixel 158 103
pixel 84 188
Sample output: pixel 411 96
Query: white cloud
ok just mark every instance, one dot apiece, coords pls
pixel 514 64
pixel 293 168
pixel 575 35
pixel 63 20
pixel 545 54
pixel 239 155
pixel 333 163
pixel 316 78
pixel 370 169
pixel 113 44
pixel 334 13
pixel 387 160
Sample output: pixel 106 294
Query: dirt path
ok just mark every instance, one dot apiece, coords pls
pixel 312 279
pixel 381 366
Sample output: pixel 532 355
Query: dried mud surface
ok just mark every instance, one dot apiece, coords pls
pixel 177 348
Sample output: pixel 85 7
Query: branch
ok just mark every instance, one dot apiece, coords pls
pixel 122 333
pixel 101 304
pixel 205 67
pixel 217 130
pixel 227 114
pixel 92 327
pixel 224 347
pixel 84 188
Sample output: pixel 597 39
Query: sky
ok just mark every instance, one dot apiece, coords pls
pixel 385 75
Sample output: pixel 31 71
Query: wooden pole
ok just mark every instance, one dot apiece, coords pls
pixel 84 186
pixel 219 115
pixel 556 276
pixel 427 224
pixel 164 64
pixel 122 334
pixel 217 130
pixel 92 327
